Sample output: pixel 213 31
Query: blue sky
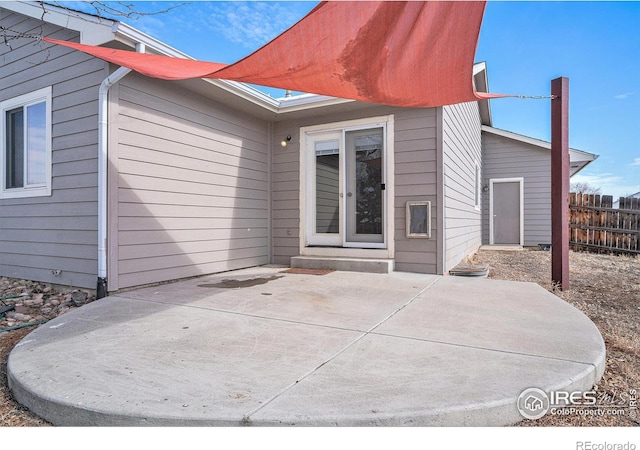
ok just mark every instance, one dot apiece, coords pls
pixel 525 45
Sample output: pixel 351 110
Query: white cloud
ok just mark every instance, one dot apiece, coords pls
pixel 250 24
pixel 152 25
pixel 597 180
pixel 609 184
pixel 623 96
pixel 636 162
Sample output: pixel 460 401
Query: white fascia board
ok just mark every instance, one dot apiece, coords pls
pixel 578 159
pixel 308 101
pixel 248 93
pixel 517 137
pixel 580 155
pixel 481 84
pixel 575 154
pixel 129 36
pixel 479 67
pixel 93 30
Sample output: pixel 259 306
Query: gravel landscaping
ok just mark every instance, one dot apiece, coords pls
pixel 31 304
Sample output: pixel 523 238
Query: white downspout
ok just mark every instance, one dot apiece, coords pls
pixel 103 139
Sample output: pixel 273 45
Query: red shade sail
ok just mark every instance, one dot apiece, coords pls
pixel 411 54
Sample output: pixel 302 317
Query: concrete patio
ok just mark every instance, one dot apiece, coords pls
pixel 264 347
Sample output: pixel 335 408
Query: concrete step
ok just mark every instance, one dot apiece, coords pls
pixel 368 265
pixel 502 248
pixel 470 270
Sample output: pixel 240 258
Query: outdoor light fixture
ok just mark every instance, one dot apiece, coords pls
pixel 286 140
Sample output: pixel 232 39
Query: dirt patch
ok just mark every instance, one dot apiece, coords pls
pixel 607 289
pixel 12 414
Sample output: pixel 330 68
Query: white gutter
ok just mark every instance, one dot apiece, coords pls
pixel 103 139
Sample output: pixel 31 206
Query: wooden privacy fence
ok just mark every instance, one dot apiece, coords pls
pixel 596 226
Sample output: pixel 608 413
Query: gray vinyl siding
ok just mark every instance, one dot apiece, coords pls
pixel 285 193
pixel 191 185
pixel 462 148
pixel 506 158
pixel 415 179
pixel 41 234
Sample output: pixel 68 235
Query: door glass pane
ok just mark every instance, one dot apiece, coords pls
pixel 15 149
pixel 327 186
pixel 368 182
pixel 36 144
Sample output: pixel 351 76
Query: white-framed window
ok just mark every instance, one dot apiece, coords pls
pixel 25 133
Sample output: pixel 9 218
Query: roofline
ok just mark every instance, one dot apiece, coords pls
pixel 575 155
pixel 309 101
pixel 481 84
pixel 130 36
pixel 93 30
pixel 529 140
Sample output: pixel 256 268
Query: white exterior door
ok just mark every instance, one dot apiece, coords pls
pixel 345 188
pixel 506 211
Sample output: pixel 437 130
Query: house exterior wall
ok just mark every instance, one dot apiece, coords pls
pixel 462 151
pixel 39 235
pixel 506 158
pixel 190 181
pixel 415 179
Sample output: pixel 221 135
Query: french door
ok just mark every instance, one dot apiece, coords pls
pixel 346 188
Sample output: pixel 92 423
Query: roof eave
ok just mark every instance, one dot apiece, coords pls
pixel 481 84
pixel 579 158
pixel 93 30
pixel 130 36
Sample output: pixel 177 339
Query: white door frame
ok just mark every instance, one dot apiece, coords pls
pixel 493 181
pixel 309 219
pixel 307 210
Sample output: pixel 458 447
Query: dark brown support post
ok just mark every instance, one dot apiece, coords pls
pixel 560 182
